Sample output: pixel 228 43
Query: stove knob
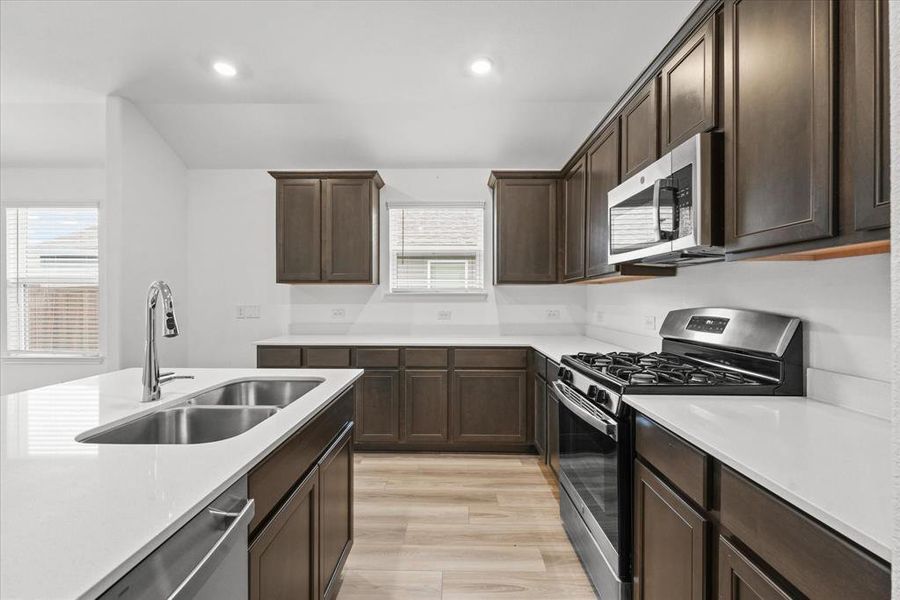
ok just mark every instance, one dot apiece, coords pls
pixel 593 392
pixel 564 375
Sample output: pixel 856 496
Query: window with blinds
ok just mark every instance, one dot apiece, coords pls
pixel 52 281
pixel 437 249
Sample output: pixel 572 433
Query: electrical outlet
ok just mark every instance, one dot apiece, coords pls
pixel 650 323
pixel 247 311
pixel 338 314
pixel 552 314
pixel 598 316
pixel 444 315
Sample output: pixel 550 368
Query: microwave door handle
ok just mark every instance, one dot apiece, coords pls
pixel 657 185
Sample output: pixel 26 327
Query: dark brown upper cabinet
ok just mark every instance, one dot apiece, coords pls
pixel 573 224
pixel 778 63
pixel 525 239
pixel 603 175
pixel 872 145
pixel 688 89
pixel 640 128
pixel 326 226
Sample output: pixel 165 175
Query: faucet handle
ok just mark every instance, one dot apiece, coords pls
pixel 170 376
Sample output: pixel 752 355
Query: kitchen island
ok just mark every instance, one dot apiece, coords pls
pixel 77 516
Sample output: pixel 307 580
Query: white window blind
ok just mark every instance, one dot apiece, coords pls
pixel 52 281
pixel 437 249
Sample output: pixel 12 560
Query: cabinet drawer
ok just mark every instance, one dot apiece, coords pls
pixel 278 357
pixel 327 357
pixel 271 479
pixel 681 463
pixel 816 561
pixel 491 358
pixel 377 357
pixel 427 357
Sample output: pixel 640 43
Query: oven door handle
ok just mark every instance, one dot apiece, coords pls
pixel 604 425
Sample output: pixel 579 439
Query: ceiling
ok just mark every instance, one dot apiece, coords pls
pixel 342 84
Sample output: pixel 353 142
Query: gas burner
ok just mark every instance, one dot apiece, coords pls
pixel 643 377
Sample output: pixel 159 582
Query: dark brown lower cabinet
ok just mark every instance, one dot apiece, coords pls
pixel 426 405
pixel 335 511
pixel 540 415
pixel 489 407
pixel 740 579
pixel 378 406
pixel 284 556
pixel 669 540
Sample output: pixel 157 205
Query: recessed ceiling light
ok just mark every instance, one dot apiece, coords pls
pixel 481 66
pixel 224 69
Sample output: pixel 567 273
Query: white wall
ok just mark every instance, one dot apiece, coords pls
pixel 54 185
pixel 844 304
pixel 147 189
pixel 232 249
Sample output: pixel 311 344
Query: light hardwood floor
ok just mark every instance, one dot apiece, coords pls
pixel 458 526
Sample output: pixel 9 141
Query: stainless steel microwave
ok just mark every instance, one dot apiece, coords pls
pixel 670 213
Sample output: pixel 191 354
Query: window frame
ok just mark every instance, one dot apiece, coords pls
pixel 485 249
pixel 53 358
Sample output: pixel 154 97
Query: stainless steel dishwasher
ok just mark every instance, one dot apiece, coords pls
pixel 204 560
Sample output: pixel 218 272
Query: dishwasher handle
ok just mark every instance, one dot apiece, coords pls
pixel 233 534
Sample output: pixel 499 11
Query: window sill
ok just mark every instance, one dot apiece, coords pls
pixel 481 294
pixel 51 359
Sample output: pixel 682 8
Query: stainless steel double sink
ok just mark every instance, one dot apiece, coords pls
pixel 213 415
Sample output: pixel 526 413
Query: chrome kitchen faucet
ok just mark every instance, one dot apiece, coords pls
pixel 151 379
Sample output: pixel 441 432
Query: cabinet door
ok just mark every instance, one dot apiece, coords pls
pixel 540 416
pixel 688 89
pixel 872 148
pixel 335 511
pixel 640 124
pixel 669 542
pixel 298 230
pixel 740 579
pixel 603 175
pixel 552 430
pixel 573 223
pixel 284 557
pixel 525 231
pixel 778 123
pixel 426 406
pixel 378 406
pixel 489 407
pixel 347 231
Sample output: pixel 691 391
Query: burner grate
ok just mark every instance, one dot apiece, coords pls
pixel 660 368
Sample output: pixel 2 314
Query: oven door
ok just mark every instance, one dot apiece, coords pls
pixel 592 472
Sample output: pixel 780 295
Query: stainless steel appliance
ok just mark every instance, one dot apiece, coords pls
pixel 204 560
pixel 670 213
pixel 706 351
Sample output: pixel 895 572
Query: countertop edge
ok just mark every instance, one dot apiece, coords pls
pixel 830 520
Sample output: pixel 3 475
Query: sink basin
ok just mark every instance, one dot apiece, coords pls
pixel 260 392
pixel 185 425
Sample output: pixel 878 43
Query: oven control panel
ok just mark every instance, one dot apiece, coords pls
pixel 707 324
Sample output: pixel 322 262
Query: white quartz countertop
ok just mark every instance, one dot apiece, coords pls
pixel 830 462
pixel 551 346
pixel 76 517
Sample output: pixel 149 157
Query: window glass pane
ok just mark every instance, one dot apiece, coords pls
pixel 437 249
pixel 52 281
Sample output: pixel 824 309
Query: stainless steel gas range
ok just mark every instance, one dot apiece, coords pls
pixel 705 351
